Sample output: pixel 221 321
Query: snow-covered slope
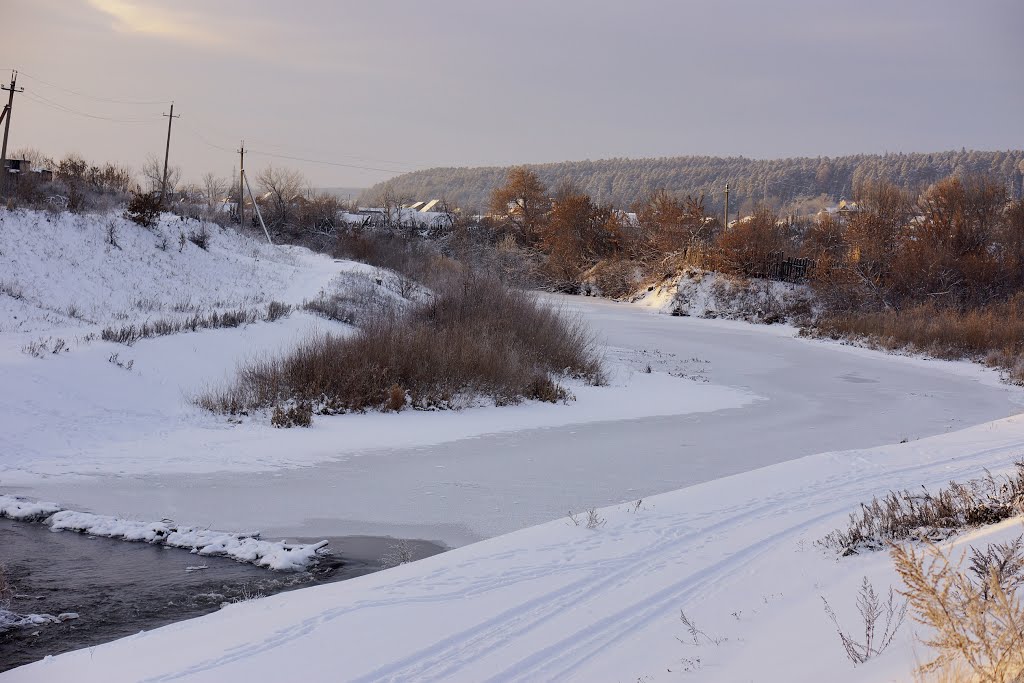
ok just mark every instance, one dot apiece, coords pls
pixel 707 294
pixel 97 407
pixel 62 270
pixel 563 601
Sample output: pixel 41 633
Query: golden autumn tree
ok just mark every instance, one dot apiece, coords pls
pixel 523 204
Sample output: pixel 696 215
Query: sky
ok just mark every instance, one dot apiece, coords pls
pixel 374 88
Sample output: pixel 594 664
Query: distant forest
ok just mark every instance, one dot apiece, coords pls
pixel 790 185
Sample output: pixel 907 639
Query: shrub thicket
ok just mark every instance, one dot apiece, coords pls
pixel 474 338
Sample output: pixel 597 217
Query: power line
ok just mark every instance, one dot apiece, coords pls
pixel 91 97
pixel 409 166
pixel 46 102
pixel 202 138
pixel 326 163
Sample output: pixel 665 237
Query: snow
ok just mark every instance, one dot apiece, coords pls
pixel 20 509
pixel 248 548
pixel 10 620
pixel 743 445
pixel 564 602
pixel 243 547
pixel 706 294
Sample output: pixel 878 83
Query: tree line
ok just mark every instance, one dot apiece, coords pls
pixel 797 185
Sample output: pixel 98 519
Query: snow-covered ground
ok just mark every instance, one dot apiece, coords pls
pixel 562 602
pixel 695 408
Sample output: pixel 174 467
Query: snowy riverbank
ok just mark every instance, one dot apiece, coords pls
pixel 566 602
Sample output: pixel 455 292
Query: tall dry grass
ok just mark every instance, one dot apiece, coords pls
pixel 474 338
pixel 974 617
pixel 923 515
pixel 993 334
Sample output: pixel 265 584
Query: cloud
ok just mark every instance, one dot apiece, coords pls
pixel 133 16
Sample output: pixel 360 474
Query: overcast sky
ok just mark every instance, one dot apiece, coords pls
pixel 398 85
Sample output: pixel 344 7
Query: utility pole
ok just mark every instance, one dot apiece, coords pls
pixel 241 184
pixel 167 151
pixel 727 206
pixel 6 118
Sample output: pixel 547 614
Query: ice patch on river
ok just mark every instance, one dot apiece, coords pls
pixel 243 547
pixel 10 620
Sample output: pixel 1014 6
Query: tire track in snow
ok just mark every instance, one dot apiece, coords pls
pixel 453 653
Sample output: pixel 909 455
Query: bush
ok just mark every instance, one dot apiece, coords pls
pixel 616 279
pixel 200 237
pixel 144 208
pixel 295 415
pixel 475 338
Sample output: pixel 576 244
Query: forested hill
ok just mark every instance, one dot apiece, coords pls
pixel 622 182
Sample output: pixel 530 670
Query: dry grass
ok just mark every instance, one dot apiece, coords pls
pixel 129 334
pixel 417 260
pixel 975 617
pixel 871 609
pixel 993 334
pixel 475 338
pixel 930 517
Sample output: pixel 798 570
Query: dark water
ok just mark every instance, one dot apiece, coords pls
pixel 120 588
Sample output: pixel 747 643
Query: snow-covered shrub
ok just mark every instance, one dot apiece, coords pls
pixel 355 298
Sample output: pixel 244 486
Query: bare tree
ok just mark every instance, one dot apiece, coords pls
pixel 391 202
pixel 214 190
pixel 153 172
pixel 282 188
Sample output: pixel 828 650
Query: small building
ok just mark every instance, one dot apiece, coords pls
pixel 21 168
pixel 18 166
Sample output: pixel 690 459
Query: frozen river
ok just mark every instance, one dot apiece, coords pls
pixel 814 397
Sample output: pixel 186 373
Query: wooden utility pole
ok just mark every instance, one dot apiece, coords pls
pixel 6 118
pixel 241 184
pixel 167 150
pixel 726 227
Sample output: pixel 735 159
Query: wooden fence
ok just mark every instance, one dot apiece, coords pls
pixel 786 268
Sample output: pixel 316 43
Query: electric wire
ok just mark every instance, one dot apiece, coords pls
pixel 46 102
pixel 58 106
pixel 95 98
pixel 321 161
